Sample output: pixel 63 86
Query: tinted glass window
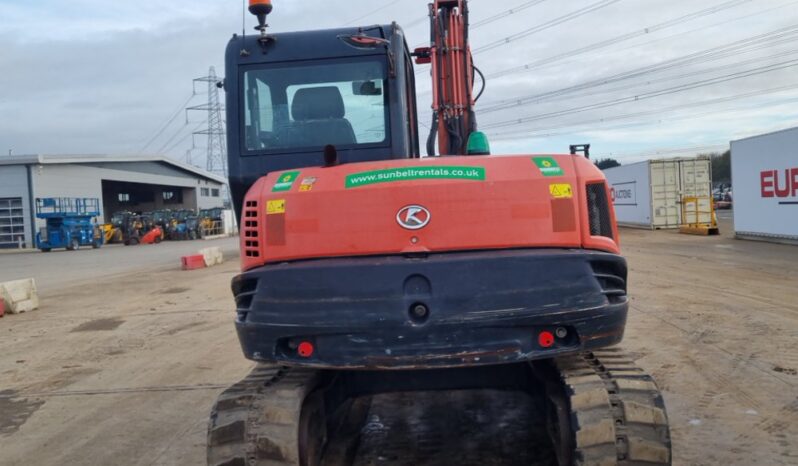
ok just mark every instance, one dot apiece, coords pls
pixel 307 107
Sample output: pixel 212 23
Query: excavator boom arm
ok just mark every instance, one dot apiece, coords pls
pixel 449 55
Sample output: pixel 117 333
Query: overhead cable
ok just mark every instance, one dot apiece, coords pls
pixel 618 39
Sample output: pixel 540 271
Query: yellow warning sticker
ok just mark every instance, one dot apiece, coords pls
pixel 276 206
pixel 561 191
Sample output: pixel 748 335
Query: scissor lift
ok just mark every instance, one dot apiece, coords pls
pixel 70 223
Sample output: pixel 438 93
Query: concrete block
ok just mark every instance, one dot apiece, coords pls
pixel 213 256
pixel 19 296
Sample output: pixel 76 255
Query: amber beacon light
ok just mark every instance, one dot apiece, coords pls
pixel 261 9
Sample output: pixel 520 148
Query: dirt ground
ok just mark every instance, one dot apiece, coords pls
pixel 124 370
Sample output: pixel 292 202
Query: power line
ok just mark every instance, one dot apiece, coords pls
pixel 488 20
pixel 568 96
pixel 648 154
pixel 505 13
pixel 618 39
pixel 593 121
pixel 705 28
pixel 767 40
pixel 536 29
pixel 648 95
pixel 599 125
pixel 166 124
pixel 389 4
pixel 415 22
pixel 547 25
pixel 173 137
pixel 185 138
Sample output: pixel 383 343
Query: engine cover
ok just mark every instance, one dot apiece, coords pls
pixel 431 205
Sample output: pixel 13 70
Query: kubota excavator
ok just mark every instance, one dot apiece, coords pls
pixel 390 300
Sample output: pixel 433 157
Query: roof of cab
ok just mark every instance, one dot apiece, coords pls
pixel 306 45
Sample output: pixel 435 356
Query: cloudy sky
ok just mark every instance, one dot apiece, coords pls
pixel 635 78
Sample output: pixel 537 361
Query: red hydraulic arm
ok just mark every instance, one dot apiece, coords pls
pixel 449 54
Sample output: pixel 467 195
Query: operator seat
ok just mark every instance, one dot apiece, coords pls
pixel 318 114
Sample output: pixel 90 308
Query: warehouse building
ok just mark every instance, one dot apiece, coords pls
pixel 121 183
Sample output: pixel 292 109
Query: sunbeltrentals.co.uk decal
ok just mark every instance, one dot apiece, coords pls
pixel 392 175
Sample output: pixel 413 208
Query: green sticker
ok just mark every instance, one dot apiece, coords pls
pixel 285 182
pixel 548 166
pixel 415 173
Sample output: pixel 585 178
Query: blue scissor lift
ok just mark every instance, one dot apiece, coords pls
pixel 69 223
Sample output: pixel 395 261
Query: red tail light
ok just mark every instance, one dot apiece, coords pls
pixel 546 339
pixel 305 349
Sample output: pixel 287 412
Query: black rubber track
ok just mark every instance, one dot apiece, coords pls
pixel 617 413
pixel 617 417
pixel 256 421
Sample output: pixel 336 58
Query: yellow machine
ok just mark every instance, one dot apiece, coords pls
pixel 698 216
pixel 112 234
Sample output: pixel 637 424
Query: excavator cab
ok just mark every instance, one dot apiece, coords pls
pixel 292 97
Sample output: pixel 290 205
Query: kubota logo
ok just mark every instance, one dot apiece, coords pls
pixel 413 217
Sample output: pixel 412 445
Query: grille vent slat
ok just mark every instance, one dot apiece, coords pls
pixel 244 291
pixel 250 230
pixel 611 277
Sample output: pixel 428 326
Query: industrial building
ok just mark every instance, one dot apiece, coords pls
pixel 121 183
pixel 765 181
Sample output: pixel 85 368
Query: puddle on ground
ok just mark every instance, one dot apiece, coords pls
pixel 99 325
pixel 16 411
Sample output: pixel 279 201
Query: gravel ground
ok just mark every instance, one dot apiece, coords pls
pixel 125 357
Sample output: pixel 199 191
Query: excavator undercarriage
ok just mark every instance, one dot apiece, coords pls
pixel 592 408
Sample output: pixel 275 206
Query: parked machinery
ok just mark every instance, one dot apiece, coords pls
pixel 116 231
pixel 111 234
pixel 140 229
pixel 161 218
pixel 177 228
pixel 70 223
pixel 210 222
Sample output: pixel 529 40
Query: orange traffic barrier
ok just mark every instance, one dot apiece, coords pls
pixel 194 262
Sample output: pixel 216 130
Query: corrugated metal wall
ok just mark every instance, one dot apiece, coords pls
pixel 14 190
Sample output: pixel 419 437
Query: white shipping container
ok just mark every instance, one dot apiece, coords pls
pixel 649 194
pixel 765 186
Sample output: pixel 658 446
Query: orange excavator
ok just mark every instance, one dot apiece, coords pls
pixel 459 308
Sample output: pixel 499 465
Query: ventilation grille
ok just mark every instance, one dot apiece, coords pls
pixel 598 210
pixel 250 233
pixel 244 290
pixel 611 277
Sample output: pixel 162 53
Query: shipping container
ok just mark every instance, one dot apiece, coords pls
pixel 765 186
pixel 649 194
